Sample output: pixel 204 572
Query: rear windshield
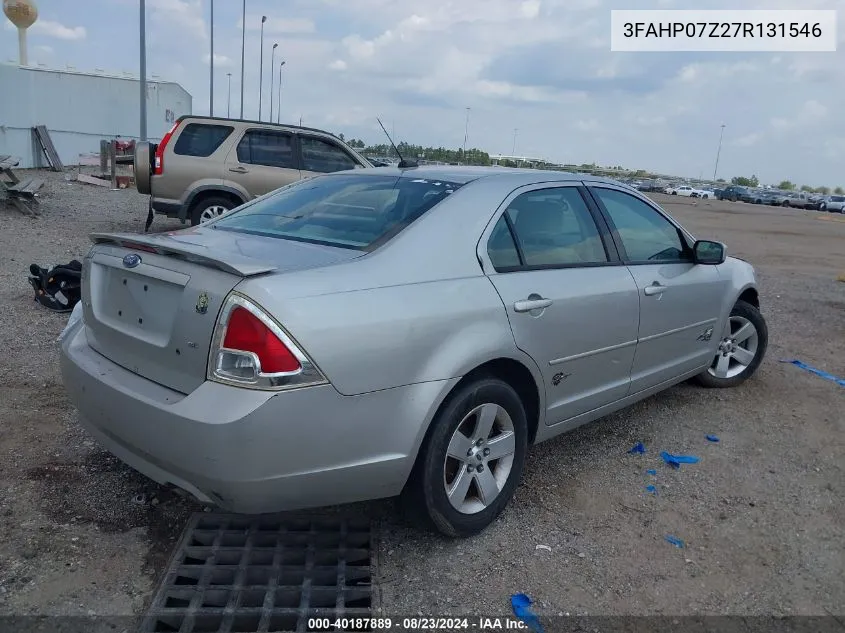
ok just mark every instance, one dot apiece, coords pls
pixel 348 210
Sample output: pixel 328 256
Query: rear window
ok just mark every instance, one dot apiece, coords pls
pixel 837 198
pixel 345 210
pixel 201 139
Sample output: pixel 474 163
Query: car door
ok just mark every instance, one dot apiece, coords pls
pixel 322 156
pixel 573 307
pixel 263 160
pixel 680 301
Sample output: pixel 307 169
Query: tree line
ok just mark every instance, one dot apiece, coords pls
pixel 477 156
pixel 473 156
pixel 787 185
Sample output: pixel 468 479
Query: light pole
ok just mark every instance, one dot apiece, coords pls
pixel 272 67
pixel 261 68
pixel 466 132
pixel 513 150
pixel 211 64
pixel 229 97
pixel 243 58
pixel 143 82
pixel 718 151
pixel 279 105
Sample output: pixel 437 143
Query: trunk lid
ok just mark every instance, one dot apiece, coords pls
pixel 150 303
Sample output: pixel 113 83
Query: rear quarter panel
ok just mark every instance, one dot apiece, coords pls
pixel 379 338
pixel 417 309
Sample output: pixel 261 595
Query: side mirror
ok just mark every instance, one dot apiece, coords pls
pixel 708 252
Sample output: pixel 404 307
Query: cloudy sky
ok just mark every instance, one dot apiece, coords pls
pixel 541 67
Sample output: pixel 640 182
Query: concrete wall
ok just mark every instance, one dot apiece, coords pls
pixel 79 110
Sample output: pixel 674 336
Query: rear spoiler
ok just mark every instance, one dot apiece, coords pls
pixel 164 245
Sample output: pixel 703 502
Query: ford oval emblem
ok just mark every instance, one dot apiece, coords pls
pixel 131 260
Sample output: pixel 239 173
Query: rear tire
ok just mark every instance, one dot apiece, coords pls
pixel 742 347
pixel 210 208
pixel 450 487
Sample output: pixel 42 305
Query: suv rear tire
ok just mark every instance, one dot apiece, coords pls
pixel 210 208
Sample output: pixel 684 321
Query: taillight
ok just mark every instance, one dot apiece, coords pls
pixel 158 166
pixel 250 349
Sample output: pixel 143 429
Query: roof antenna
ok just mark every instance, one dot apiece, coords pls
pixel 403 164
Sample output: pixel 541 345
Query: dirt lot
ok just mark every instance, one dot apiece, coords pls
pixel 762 513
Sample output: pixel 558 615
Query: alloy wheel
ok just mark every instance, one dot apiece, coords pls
pixel 479 458
pixel 737 348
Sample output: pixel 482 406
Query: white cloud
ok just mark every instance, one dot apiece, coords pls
pixel 748 140
pixel 51 28
pixel 278 25
pixel 219 60
pixel 187 17
pixel 337 64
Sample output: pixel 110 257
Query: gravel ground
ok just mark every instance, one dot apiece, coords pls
pixel 761 514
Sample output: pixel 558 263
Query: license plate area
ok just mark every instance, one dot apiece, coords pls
pixel 141 303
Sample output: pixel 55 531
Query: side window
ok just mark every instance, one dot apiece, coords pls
pixel 199 139
pixel 266 147
pixel 501 247
pixel 323 157
pixel 646 235
pixel 554 227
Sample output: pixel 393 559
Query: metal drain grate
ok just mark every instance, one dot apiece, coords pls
pixel 232 573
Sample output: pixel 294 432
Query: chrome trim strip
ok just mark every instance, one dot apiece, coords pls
pixel 601 350
pixel 680 329
pixel 612 348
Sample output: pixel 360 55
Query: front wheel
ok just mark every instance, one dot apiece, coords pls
pixel 471 461
pixel 742 347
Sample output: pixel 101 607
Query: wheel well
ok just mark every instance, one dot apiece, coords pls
pixel 517 376
pixel 215 193
pixel 750 295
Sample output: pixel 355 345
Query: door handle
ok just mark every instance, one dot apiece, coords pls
pixel 239 170
pixel 654 289
pixel 527 305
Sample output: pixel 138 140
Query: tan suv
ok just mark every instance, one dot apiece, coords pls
pixel 205 166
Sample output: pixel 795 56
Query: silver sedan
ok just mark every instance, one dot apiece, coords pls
pixel 396 331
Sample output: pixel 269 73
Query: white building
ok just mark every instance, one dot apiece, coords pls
pixel 79 109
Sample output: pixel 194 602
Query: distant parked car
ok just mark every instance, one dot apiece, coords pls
pixel 680 190
pixel 794 199
pixel 759 196
pixel 205 166
pixel 703 193
pixel 833 204
pixel 733 193
pixel 345 338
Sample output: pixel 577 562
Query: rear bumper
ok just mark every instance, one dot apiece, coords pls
pixel 166 207
pixel 250 451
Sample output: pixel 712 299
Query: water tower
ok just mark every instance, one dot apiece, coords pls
pixel 23 14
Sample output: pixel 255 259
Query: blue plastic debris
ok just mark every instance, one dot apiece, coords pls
pixel 521 605
pixel 712 438
pixel 652 489
pixel 675 461
pixel 674 540
pixel 639 447
pixel 817 372
pixel 651 471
